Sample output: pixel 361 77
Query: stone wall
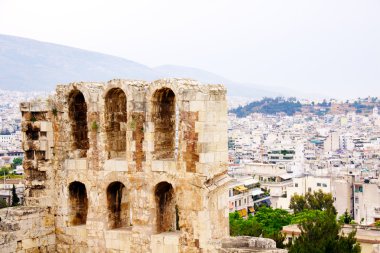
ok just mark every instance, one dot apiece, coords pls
pixel 38 144
pixel 247 244
pixel 133 160
pixel 27 229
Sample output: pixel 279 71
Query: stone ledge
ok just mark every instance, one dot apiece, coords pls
pixel 76 164
pixel 247 244
pixel 118 239
pixel 116 164
pixel 250 250
pixel 164 165
pixel 165 242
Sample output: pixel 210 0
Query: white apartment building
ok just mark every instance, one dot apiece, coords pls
pixel 341 188
pixel 274 178
pixel 346 142
pixel 281 155
pixel 6 138
pixel 343 194
pixel 367 201
pixel 306 183
pixel 332 142
pixel 244 195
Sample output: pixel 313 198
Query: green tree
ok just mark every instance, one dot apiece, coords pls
pixel 4 171
pixel 298 203
pixel 15 198
pixel 267 222
pixel 3 204
pixel 272 221
pixel 240 226
pixel 17 161
pixel 317 200
pixel 345 218
pixel 321 235
pixel 305 215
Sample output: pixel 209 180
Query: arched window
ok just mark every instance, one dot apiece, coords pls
pixel 118 208
pixel 115 113
pixel 164 119
pixel 167 211
pixel 78 118
pixel 78 203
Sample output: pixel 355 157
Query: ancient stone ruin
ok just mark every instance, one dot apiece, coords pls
pixel 124 166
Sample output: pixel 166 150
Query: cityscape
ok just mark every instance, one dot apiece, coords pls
pixel 161 126
pixel 271 157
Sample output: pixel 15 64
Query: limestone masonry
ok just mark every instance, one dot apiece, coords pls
pixel 126 166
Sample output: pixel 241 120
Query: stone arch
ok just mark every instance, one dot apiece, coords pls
pixel 167 217
pixel 78 121
pixel 118 207
pixel 115 115
pixel 164 119
pixel 78 203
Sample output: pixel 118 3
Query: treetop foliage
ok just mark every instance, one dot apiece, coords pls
pixel 317 200
pixel 345 218
pixel 17 161
pixel 316 217
pixel 267 222
pixel 321 234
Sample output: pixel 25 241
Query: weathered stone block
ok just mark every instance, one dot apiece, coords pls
pixel 116 165
pixel 76 164
pixel 206 157
pixel 46 126
pixel 158 166
pixel 196 106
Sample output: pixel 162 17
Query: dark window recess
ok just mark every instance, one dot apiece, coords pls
pixel 78 203
pixel 78 118
pixel 163 115
pixel 118 208
pixel 115 114
pixel 167 210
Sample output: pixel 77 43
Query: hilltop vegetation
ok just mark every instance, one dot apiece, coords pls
pixel 269 106
pixel 290 106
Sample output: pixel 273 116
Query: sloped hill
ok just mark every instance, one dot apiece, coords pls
pixel 32 65
pixel 269 106
pixel 234 88
pixel 188 72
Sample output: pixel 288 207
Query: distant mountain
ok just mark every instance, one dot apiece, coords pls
pixel 30 65
pixel 188 72
pixel 234 88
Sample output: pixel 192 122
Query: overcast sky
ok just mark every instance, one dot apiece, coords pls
pixel 317 46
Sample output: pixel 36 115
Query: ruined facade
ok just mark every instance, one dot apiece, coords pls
pixel 130 166
pixel 126 166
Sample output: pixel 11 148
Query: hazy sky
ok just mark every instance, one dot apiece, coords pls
pixel 318 46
